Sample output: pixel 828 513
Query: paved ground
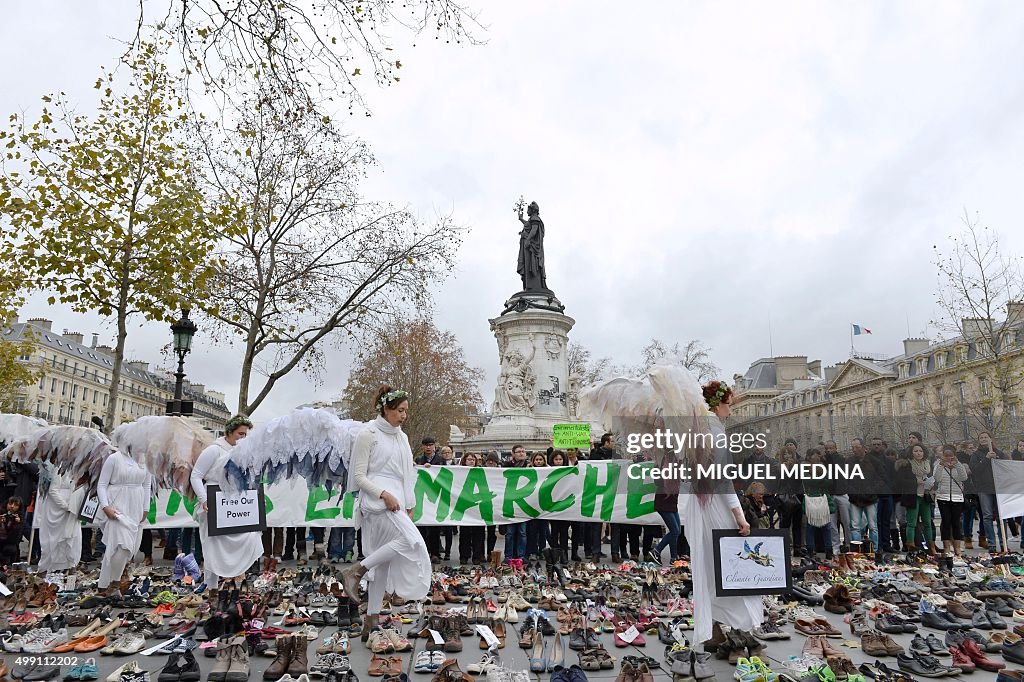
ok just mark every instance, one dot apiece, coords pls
pixel 514 657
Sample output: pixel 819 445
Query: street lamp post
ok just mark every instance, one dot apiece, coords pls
pixel 183 330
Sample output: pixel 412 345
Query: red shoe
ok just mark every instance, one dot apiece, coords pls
pixel 970 648
pixel 961 660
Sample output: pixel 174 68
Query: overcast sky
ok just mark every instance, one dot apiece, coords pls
pixel 702 168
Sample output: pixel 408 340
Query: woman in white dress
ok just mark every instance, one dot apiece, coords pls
pixel 124 491
pixel 382 473
pixel 60 533
pixel 712 505
pixel 224 556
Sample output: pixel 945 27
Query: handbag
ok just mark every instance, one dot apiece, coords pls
pixel 816 510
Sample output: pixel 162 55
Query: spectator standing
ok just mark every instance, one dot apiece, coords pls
pixel 841 501
pixel 863 494
pixel 515 533
pixel 886 501
pixel 950 478
pixel 471 538
pixel 537 529
pixel 789 498
pixel 492 460
pixel 429 456
pixel 916 481
pixel 818 509
pixel 985 487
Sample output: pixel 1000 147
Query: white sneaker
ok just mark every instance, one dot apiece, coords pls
pixel 129 643
pixel 46 641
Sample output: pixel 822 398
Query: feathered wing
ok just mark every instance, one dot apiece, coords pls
pixel 309 443
pixel 166 446
pixel 73 450
pixel 757 548
pixel 616 401
pixel 14 426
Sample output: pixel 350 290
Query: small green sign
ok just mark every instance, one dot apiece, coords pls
pixel 567 436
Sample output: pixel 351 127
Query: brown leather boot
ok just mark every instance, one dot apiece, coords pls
pixel 279 666
pixel 298 665
pixel 932 547
pixel 369 623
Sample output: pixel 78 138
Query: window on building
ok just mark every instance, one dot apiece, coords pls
pixel 53 385
pixel 961 354
pixel 921 402
pixel 1011 409
pixel 878 407
pixel 42 383
pixel 922 365
pixel 982 348
pixel 904 370
pixel 74 390
pixel 983 386
pixel 940 360
pixel 903 403
pixel 819 421
pixel 65 364
pixel 64 388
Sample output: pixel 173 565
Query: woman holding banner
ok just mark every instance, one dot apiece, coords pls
pixel 713 505
pixel 382 471
pixel 224 556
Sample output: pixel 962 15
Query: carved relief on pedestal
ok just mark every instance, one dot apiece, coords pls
pixel 553 346
pixel 517 383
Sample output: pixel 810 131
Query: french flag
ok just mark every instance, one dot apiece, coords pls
pixel 858 330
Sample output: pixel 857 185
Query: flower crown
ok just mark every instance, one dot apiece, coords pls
pixel 719 395
pixel 393 395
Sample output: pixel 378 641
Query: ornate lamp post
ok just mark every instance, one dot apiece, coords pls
pixel 184 329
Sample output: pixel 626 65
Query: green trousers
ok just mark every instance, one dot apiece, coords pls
pixel 921 510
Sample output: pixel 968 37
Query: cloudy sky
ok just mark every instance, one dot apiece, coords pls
pixel 704 170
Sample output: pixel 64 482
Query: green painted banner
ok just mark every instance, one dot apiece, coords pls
pixel 608 491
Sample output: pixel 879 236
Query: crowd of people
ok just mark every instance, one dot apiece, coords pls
pixel 895 505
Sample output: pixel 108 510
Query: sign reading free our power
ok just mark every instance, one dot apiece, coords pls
pixel 242 511
pixel 568 436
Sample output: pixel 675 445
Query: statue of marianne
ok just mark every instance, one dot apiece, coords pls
pixel 531 250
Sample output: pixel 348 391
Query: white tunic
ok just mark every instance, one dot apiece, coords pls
pixel 127 487
pixel 226 555
pixel 56 517
pixel 382 460
pixel 744 613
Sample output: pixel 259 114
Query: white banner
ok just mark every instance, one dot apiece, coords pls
pixel 607 491
pixel 1009 480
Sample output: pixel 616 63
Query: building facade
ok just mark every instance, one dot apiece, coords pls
pixel 948 391
pixel 75 383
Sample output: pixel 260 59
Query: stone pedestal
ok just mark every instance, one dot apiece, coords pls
pixel 534 390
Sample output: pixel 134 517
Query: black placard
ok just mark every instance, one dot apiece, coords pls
pixel 220 507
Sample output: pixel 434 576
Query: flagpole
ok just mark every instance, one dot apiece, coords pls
pixel 852 352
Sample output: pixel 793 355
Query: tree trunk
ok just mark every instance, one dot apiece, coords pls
pixel 110 422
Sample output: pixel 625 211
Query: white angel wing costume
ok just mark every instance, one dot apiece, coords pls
pixel 166 446
pixel 313 444
pixel 14 426
pixel 74 450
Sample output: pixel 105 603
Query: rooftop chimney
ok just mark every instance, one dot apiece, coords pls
pixel 814 367
pixel 915 346
pixel 1014 313
pixel 106 350
pixel 74 337
pixel 95 339
pixel 973 327
pixel 41 322
pixel 138 365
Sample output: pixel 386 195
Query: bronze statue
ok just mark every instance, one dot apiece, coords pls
pixel 531 249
